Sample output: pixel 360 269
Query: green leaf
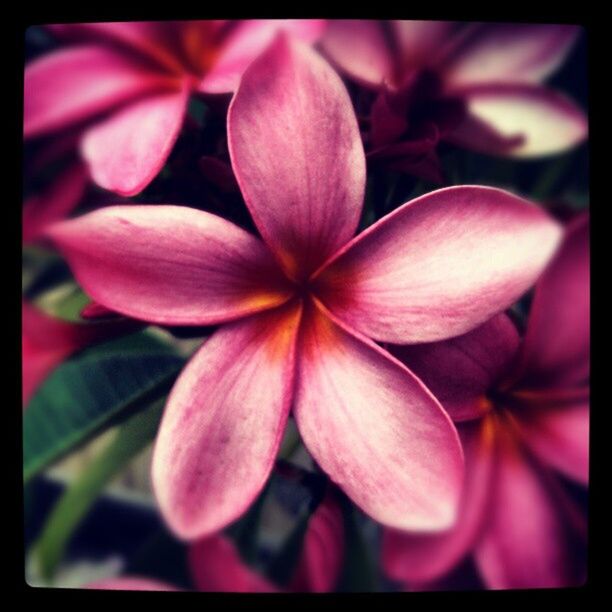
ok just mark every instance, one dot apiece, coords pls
pixel 96 389
pixel 130 439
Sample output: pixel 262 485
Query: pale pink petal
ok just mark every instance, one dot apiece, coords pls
pixel 375 429
pixel 413 558
pixel 510 53
pixel 297 154
pixel 73 84
pixel 461 371
pixel 224 422
pixel 528 541
pixel 360 49
pixel 320 563
pixel 217 567
pixel 419 42
pixel 130 583
pixel 169 264
pixel 56 202
pixel 557 343
pixel 542 121
pixel 246 41
pixel 126 152
pixel 439 265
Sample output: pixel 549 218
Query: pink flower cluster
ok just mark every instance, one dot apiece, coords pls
pixel 411 388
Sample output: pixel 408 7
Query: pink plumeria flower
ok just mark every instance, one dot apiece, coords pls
pixel 522 409
pixel 132 80
pixel 216 565
pixel 301 306
pixel 477 86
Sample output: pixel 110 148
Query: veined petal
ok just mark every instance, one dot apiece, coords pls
pixel 375 429
pixel 462 370
pixel 224 422
pixel 439 265
pixel 297 154
pixel 414 558
pixel 217 567
pixel 246 41
pixel 529 541
pixel 170 264
pixel 126 151
pixel 510 53
pixel 542 121
pixel 130 583
pixel 73 84
pixel 557 342
pixel 359 48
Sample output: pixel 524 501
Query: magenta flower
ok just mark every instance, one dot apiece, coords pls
pixel 217 567
pixel 131 81
pixel 300 305
pixel 522 409
pixel 476 86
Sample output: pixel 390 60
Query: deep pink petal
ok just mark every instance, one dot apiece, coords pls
pixel 419 42
pixel 56 202
pixel 131 583
pixel 126 151
pixel 528 541
pixel 297 154
pixel 510 53
pixel 439 265
pixel 246 41
pixel 224 422
pixel 375 429
pixel 359 48
pixel 320 563
pixel 541 121
pixel 169 264
pixel 217 567
pixel 73 84
pixel 557 343
pixel 412 558
pixel 462 370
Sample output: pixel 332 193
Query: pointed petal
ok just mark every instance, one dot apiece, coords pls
pixel 169 264
pixel 319 567
pixel 246 41
pixel 297 154
pixel 359 48
pixel 528 541
pixel 462 370
pixel 217 567
pixel 375 429
pixel 73 84
pixel 557 344
pixel 545 121
pixel 126 152
pixel 439 265
pixel 510 53
pixel 412 558
pixel 130 583
pixel 224 422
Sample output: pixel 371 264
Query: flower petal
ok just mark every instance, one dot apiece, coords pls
pixel 543 122
pixel 246 41
pixel 439 265
pixel 217 567
pixel 375 429
pixel 126 151
pixel 297 154
pixel 420 41
pixel 413 558
pixel 462 370
pixel 528 541
pixel 224 422
pixel 359 48
pixel 320 563
pixel 130 583
pixel 557 343
pixel 510 53
pixel 169 264
pixel 73 84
